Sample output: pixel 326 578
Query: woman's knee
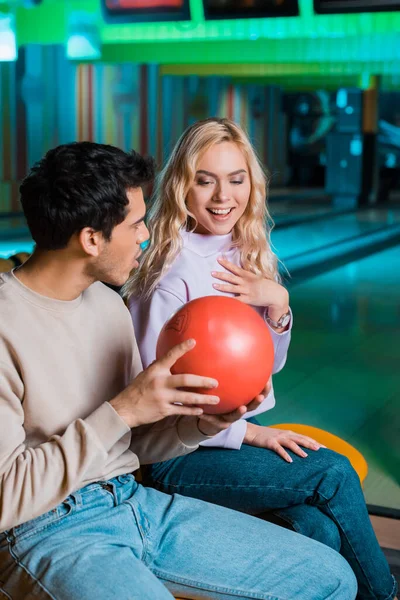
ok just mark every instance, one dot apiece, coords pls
pixel 338 468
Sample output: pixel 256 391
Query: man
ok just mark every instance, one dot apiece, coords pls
pixel 77 415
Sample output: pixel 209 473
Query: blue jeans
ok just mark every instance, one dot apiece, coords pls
pixel 121 541
pixel 319 496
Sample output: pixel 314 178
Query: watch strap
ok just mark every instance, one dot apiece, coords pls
pixel 281 322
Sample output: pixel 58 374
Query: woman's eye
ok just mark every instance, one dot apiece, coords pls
pixel 201 182
pixel 237 182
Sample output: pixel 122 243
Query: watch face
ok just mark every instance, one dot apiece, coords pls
pixel 284 320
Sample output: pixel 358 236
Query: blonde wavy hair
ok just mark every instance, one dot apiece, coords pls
pixel 169 214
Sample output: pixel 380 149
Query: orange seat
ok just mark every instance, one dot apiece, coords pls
pixel 333 442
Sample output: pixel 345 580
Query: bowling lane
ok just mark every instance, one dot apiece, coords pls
pixel 10 247
pixel 288 206
pixel 14 235
pixel 288 242
pixel 342 372
pixel 306 237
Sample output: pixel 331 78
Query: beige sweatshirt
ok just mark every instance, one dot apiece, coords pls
pixel 60 364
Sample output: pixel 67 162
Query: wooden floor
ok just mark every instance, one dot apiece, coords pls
pixel 387 531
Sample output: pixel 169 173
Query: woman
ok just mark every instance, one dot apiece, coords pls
pixel 210 235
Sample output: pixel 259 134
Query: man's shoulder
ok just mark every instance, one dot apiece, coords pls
pixel 102 292
pixel 7 297
pixel 4 281
pixel 102 300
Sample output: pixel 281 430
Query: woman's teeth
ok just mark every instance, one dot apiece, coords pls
pixel 220 211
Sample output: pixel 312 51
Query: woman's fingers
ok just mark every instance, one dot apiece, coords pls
pixel 267 388
pixel 230 288
pixel 229 277
pixel 307 442
pixel 291 445
pixel 302 440
pixel 232 267
pixel 225 419
pixel 281 452
pixel 256 402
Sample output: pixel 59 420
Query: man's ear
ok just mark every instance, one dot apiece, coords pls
pixel 91 241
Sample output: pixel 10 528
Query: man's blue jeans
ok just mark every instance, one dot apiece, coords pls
pixel 319 496
pixel 121 541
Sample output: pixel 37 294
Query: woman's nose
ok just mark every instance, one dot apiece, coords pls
pixel 221 193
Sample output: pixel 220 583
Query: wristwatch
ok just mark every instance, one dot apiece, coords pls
pixel 281 322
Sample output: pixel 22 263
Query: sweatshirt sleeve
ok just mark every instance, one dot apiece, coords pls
pixel 149 317
pixel 34 480
pixel 173 436
pixel 231 438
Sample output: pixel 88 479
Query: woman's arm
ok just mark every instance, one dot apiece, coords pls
pixel 281 343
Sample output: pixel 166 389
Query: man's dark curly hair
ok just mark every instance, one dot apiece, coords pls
pixel 79 185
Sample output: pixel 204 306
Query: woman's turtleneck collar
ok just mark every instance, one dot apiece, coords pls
pixel 206 245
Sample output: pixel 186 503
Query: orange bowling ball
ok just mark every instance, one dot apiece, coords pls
pixel 233 345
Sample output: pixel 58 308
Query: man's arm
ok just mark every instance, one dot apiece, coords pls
pixel 173 436
pixel 34 480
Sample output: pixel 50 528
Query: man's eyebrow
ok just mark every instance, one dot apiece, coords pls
pixel 214 175
pixel 139 220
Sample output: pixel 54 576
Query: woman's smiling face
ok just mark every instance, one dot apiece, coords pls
pixel 221 189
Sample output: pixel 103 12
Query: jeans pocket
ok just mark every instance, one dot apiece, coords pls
pixel 49 519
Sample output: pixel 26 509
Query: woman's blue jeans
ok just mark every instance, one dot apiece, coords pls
pixel 121 541
pixel 319 496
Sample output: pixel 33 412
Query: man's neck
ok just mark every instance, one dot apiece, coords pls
pixel 53 275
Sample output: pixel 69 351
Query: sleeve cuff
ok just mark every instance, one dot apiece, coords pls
pixel 108 425
pixel 231 438
pixel 188 432
pixel 236 433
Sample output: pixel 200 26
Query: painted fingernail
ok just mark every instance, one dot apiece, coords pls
pixel 198 411
pixel 304 455
pixel 215 285
pixel 215 400
pixel 290 459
